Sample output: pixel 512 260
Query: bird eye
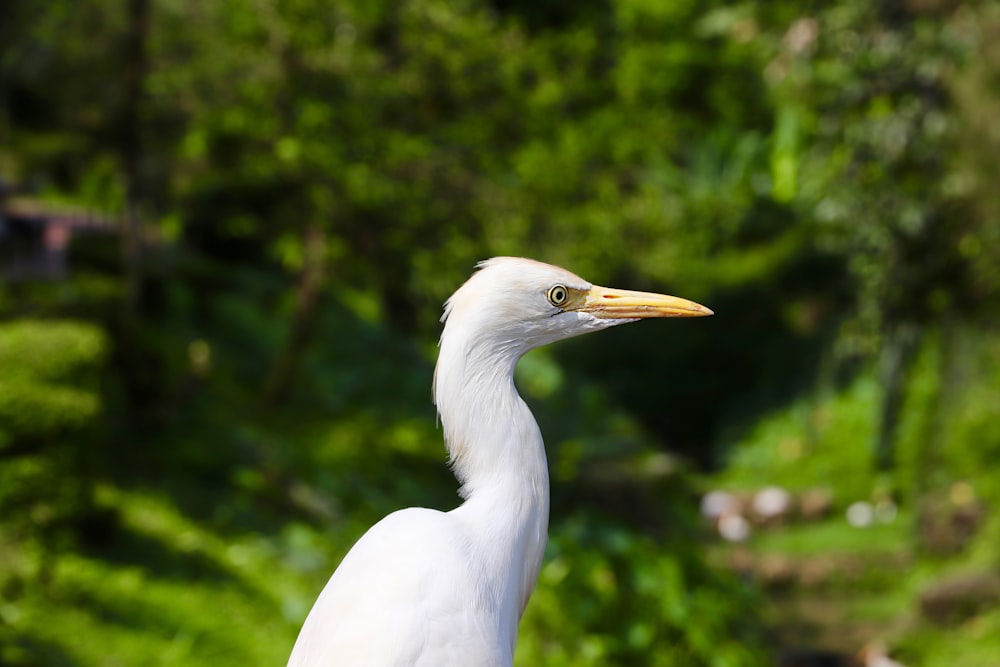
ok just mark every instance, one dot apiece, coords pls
pixel 557 295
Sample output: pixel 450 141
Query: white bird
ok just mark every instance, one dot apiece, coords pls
pixel 424 588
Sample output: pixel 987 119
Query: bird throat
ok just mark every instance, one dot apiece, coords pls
pixel 500 462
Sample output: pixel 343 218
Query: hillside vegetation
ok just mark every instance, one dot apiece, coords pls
pixel 205 402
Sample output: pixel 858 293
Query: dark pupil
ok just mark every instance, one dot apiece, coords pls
pixel 558 295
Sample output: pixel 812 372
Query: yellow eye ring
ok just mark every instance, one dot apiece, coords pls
pixel 557 295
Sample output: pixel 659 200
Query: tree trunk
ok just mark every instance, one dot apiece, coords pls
pixel 131 150
pixel 898 346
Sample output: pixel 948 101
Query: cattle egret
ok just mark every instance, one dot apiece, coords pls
pixel 447 589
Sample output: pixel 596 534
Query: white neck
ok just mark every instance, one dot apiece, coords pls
pixel 499 458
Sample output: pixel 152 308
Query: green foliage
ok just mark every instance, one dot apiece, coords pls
pixel 146 602
pixel 865 88
pixel 50 406
pixel 49 384
pixel 961 368
pixel 810 445
pixel 44 363
pixel 49 351
pixel 32 409
pixel 635 602
pixel 316 179
pixel 974 644
pixel 947 445
pixel 826 442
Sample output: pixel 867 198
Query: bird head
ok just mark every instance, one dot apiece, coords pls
pixel 519 304
pixel 506 308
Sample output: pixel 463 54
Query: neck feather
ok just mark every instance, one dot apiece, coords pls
pixel 490 433
pixel 498 456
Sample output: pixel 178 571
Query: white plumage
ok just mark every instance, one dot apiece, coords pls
pixel 424 588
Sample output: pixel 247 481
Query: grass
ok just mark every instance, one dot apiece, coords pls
pixel 874 576
pixel 836 536
pixel 885 545
pixel 974 643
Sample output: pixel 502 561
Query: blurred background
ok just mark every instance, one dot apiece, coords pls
pixel 227 228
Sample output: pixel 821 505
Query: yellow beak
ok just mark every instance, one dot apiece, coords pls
pixel 608 303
